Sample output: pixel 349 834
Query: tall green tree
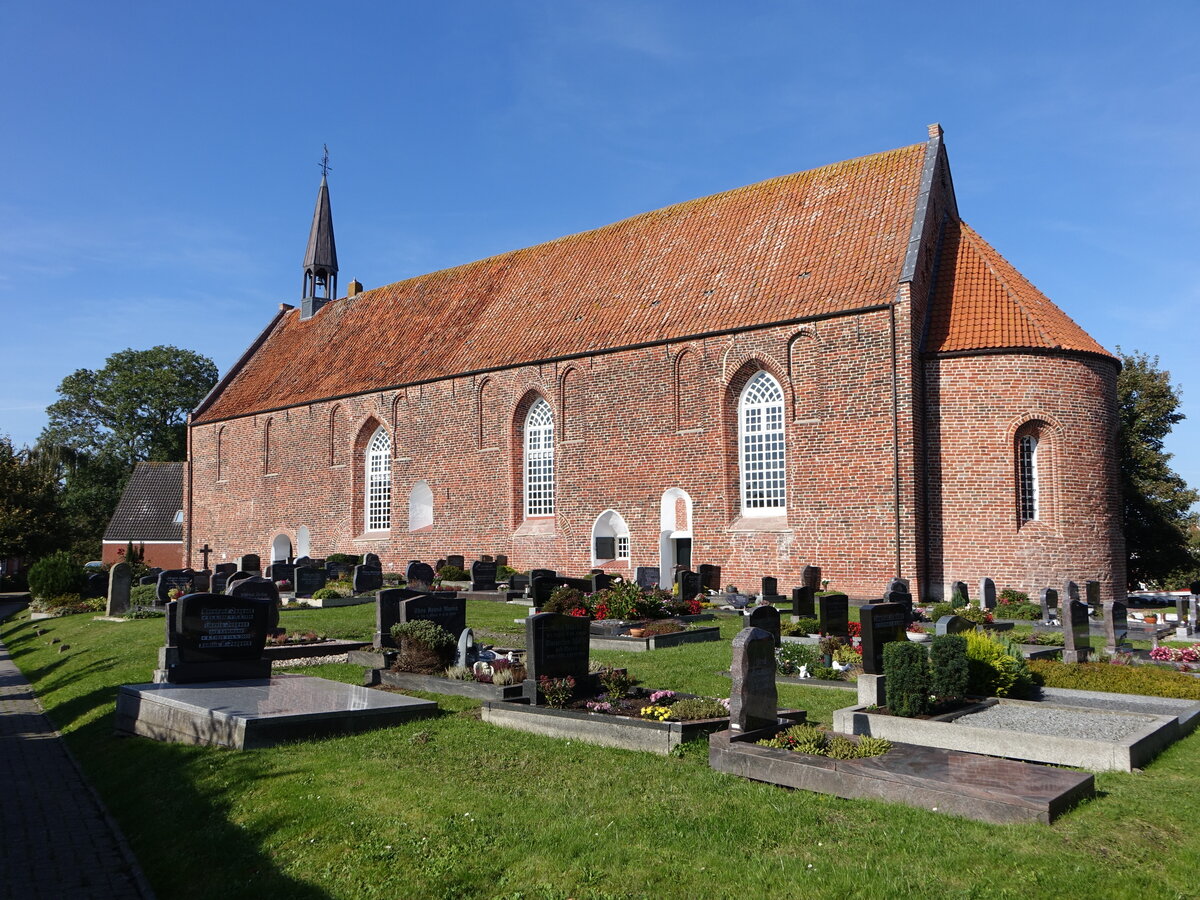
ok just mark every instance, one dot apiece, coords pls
pixel 29 513
pixel 134 408
pixel 1157 501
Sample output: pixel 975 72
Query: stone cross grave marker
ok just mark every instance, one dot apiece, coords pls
pixel 987 593
pixel 367 578
pixel 766 618
pixel 1048 598
pixel 307 580
pixel 833 614
pixel 646 577
pixel 483 575
pixel 802 602
pixel 1116 625
pixel 120 582
pixel 1076 625
pixel 881 623
pixel 173 579
pixel 557 646
pixel 418 576
pixel 754 699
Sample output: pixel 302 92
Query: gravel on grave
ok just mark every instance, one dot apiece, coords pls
pixel 309 661
pixel 1058 722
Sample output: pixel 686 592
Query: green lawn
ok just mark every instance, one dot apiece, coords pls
pixel 452 807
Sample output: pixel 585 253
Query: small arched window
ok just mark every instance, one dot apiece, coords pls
pixel 761 447
pixel 378 465
pixel 1027 478
pixel 539 460
pixel 420 506
pixel 610 537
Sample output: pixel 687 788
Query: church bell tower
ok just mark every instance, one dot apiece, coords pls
pixel 320 259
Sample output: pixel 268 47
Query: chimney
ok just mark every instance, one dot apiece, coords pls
pixel 354 288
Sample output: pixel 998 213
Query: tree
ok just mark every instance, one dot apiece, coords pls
pixel 1157 501
pixel 29 515
pixel 134 408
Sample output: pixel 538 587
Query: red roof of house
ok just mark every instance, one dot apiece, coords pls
pixel 982 303
pixel 822 241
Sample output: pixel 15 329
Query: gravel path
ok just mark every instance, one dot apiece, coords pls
pixel 1057 721
pixel 310 661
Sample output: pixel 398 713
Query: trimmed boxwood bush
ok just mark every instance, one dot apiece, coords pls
pixel 143 595
pixel 948 672
pixel 453 573
pixel 55 576
pixel 906 667
pixel 327 593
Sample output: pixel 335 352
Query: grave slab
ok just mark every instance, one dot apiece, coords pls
pixel 248 714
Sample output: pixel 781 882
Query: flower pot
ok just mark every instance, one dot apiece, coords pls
pixel 637 632
pixel 1150 619
pixel 918 638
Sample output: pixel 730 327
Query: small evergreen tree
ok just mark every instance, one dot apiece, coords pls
pixel 949 674
pixel 906 668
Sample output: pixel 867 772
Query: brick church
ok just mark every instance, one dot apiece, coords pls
pixel 829 367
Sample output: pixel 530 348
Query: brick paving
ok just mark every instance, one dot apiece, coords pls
pixel 56 839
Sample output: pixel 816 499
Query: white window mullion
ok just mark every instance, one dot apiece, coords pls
pixel 539 460
pixel 378 462
pixel 762 453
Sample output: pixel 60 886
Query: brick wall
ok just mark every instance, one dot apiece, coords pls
pixel 164 554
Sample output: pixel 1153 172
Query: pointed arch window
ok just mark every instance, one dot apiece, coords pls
pixel 539 460
pixel 220 453
pixel 761 447
pixel 1027 478
pixel 378 464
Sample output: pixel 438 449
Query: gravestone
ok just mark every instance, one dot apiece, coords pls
pixel 602 580
pixel 1182 628
pixel 1076 645
pixel 202 582
pixel 647 577
pixel 766 618
pixel 1116 625
pixel 457 560
pixel 338 571
pixel 371 559
pixel 466 648
pixel 367 578
pixel 281 571
pixel 953 625
pixel 96 585
pixel 770 587
pixel 215 637
pixel 257 588
pixel 987 593
pixel 483 575
pixel 419 576
pixel 249 562
pixel 155 571
pixel 308 580
pixel 302 561
pixel 120 582
pixel 238 576
pixel 802 602
pixel 518 582
pixel 542 573
pixel 148 579
pixel 833 614
pixel 557 647
pixel 1070 592
pixel 881 623
pixel 898 586
pixel 904 598
pixel 501 560
pixel 173 579
pixel 543 586
pixel 447 611
pixel 960 588
pixel 753 699
pixel 1091 590
pixel 810 577
pixel 387 614
pixel 439 565
pixel 1048 598
pixel 220 576
pixel 710 577
pixel 689 584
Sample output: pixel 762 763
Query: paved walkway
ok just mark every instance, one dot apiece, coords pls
pixel 56 839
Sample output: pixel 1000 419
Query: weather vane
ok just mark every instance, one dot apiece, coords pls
pixel 325 160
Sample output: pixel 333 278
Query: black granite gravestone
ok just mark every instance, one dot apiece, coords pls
pixel 556 646
pixel 518 582
pixel 833 614
pixel 810 577
pixel 770 586
pixel 953 625
pixel 372 559
pixel 689 584
pixel 367 578
pixel 881 623
pixel 444 610
pixel 602 580
pixel 1076 629
pixel 281 571
pixel 338 571
pixel 802 602
pixel 1048 598
pixel 456 560
pixel 960 593
pixel 753 699
pixel 904 598
pixel 710 577
pixel 542 573
pixel 646 577
pixel 215 628
pixel 148 579
pixel 1091 591
pixel 501 560
pixel 766 618
pixel 249 562
pixel 483 575
pixel 308 580
pixel 987 593
pixel 220 576
pixel 898 586
pixel 1116 625
pixel 173 579
pixel 305 560
pixel 418 576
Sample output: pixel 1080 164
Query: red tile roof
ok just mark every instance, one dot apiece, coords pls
pixel 822 241
pixel 982 303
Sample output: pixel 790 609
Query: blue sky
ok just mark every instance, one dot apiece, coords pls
pixel 160 159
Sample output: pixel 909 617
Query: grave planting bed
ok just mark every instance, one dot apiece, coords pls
pixel 963 784
pixel 436 684
pixel 655 641
pixel 1046 731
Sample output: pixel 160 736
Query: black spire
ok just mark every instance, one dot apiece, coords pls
pixel 320 259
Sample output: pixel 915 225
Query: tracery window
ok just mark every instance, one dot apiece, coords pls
pixel 539 460
pixel 761 447
pixel 378 465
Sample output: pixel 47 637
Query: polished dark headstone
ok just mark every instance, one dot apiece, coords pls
pixel 367 578
pixel 557 646
pixel 173 579
pixel 646 577
pixel 483 575
pixel 987 593
pixel 802 602
pixel 881 623
pixel 308 580
pixel 753 699
pixel 1076 630
pixel 766 618
pixel 833 614
pixel 419 576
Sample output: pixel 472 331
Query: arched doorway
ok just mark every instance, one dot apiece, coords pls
pixel 675 534
pixel 281 548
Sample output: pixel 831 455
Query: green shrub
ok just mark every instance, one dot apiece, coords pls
pixel 1008 595
pixel 869 745
pixel 460 673
pixel 352 559
pixel 840 747
pixel 423 633
pixel 941 609
pixel 503 573
pixel 815 742
pixel 327 593
pixel 557 691
pixel 803 625
pixel 616 682
pixel 143 595
pixel 453 573
pixel 825 673
pixel 949 676
pixel 564 599
pixel 688 710
pixel 957 600
pixel 1152 681
pixel 55 575
pixel 1028 611
pixel 996 669
pixel 789 657
pixel 145 612
pixel 906 666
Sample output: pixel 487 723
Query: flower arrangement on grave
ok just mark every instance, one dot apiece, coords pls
pixel 619 695
pixel 283 584
pixel 1015 605
pixel 557 691
pixel 1176 654
pixel 915 628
